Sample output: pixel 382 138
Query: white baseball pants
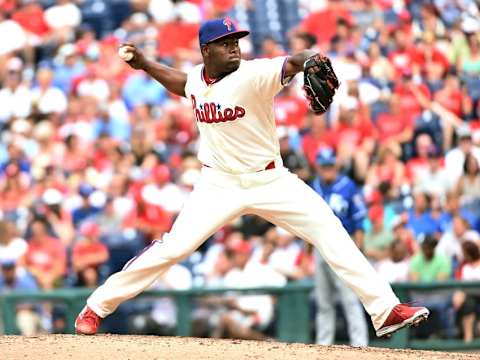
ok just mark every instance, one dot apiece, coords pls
pixel 276 195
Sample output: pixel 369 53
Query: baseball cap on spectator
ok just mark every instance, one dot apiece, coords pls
pixel 375 212
pixel 217 29
pixel 326 157
pixel 242 247
pixel 161 173
pixel 464 132
pixel 282 132
pixel 139 18
pixel 52 196
pixel 67 50
pixel 7 263
pixel 89 229
pixel 85 190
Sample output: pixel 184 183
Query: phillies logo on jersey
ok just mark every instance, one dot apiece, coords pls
pixel 213 113
pixel 228 23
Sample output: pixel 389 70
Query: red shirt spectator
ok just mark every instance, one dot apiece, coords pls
pixel 290 110
pixel 452 97
pixel 30 17
pixel 45 257
pixel 408 101
pixel 176 35
pixel 396 124
pixel 328 18
pixel 150 219
pixel 318 138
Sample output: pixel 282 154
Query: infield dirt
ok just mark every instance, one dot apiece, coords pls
pixel 120 347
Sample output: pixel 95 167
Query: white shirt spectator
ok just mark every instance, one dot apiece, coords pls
pixel 437 183
pixel 13 37
pixel 393 271
pixel 13 250
pixel 98 88
pixel 255 275
pixel 164 310
pixel 15 103
pixel 63 15
pixel 283 259
pixel 53 100
pixel 451 246
pixel 454 161
pixel 170 197
pixel 470 273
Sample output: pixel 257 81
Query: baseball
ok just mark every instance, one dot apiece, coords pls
pixel 125 54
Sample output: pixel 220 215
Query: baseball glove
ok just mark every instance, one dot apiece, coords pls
pixel 320 82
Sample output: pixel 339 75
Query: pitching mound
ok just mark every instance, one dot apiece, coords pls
pixel 117 347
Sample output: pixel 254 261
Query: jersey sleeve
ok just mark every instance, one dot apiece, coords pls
pixel 268 75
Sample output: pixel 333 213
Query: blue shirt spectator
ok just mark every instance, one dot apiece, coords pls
pixel 140 89
pixel 340 192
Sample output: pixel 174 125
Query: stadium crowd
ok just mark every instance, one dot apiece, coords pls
pixel 96 159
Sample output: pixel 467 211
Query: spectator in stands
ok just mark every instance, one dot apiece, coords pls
pixel 15 96
pixel 285 253
pixel 469 62
pixel 466 304
pixel 148 219
pixel 247 315
pixel 63 18
pixel 67 66
pixel 317 137
pixel 45 257
pixel 13 35
pixel 88 255
pixel 420 219
pixel 378 239
pixel 452 208
pixel 47 98
pixel 396 125
pixel 428 265
pixel 271 48
pixel 468 186
pixel 30 16
pixel 86 210
pixel 343 197
pixel 434 179
pixel 455 158
pixel 13 191
pixel 292 159
pixel 59 218
pixel 451 241
pixel 162 319
pixel 396 267
pixel 387 169
pixel 14 279
pixel 11 246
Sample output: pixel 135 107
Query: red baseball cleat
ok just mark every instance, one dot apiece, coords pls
pixel 87 322
pixel 402 315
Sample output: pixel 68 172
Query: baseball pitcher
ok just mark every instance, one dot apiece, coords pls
pixel 232 100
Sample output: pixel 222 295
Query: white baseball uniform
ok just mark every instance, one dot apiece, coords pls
pixel 243 174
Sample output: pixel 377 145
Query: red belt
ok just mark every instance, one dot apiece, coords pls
pixel 270 165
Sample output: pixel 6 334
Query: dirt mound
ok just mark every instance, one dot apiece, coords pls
pixel 118 347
